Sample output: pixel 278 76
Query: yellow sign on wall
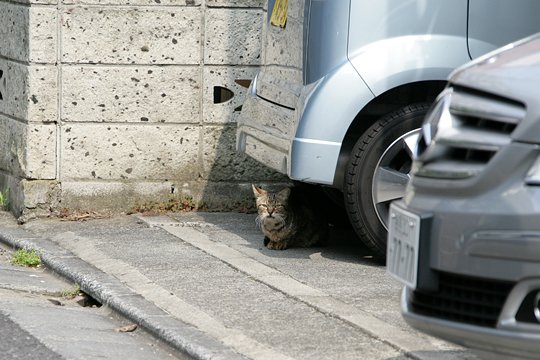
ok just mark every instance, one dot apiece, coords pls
pixel 280 13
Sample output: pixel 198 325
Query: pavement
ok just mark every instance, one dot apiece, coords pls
pixel 42 316
pixel 204 284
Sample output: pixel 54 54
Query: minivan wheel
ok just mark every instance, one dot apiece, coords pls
pixel 378 172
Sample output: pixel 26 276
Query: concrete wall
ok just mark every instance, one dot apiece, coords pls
pixel 114 105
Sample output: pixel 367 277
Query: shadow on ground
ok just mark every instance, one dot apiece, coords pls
pixel 343 244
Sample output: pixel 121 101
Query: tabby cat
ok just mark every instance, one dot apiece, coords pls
pixel 287 219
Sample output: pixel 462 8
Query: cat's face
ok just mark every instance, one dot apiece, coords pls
pixel 272 207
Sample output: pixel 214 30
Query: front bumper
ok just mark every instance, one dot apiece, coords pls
pixel 510 339
pixel 484 228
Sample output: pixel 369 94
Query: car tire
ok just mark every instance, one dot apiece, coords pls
pixel 378 171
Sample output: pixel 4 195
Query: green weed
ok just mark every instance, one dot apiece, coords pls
pixel 26 257
pixel 71 292
pixel 4 200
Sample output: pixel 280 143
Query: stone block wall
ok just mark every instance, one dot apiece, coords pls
pixel 106 105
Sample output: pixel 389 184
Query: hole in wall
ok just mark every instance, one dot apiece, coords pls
pixel 243 82
pixel 222 94
pixel 2 84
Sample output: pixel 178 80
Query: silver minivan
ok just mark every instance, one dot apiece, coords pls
pixel 345 84
pixel 466 237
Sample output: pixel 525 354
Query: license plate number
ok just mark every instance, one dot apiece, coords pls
pixel 402 246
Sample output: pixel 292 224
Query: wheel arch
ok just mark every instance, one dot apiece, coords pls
pixel 390 100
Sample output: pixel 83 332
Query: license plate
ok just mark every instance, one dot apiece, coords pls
pixel 402 247
pixel 280 13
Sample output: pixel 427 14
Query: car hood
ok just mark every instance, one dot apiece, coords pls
pixel 512 72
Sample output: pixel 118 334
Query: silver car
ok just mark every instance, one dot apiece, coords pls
pixel 466 238
pixel 345 84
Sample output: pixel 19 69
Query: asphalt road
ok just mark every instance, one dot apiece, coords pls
pixel 18 343
pixel 38 322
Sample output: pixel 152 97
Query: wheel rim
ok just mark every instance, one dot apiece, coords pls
pixel 392 174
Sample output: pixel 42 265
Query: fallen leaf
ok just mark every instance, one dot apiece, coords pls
pixel 127 328
pixel 56 302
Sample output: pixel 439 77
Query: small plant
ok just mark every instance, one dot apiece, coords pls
pixel 26 257
pixel 71 292
pixel 4 200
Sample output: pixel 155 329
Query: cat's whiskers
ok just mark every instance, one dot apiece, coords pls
pixel 259 221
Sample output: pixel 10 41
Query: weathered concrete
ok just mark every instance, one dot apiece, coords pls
pixel 226 42
pixel 42 313
pixel 28 150
pixel 235 3
pixel 235 79
pixel 28 33
pixel 34 325
pixel 135 2
pixel 142 94
pixel 109 104
pixel 29 93
pixel 123 152
pixel 132 35
pixel 223 163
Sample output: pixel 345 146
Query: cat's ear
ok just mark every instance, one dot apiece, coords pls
pixel 283 195
pixel 258 191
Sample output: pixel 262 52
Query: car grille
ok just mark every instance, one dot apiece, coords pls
pixel 471 127
pixel 463 299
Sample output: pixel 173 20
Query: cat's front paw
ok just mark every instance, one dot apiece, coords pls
pixel 277 245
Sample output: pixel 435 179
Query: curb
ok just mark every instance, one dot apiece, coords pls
pixel 111 292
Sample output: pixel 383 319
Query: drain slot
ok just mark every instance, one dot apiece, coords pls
pixel 85 300
pixel 2 84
